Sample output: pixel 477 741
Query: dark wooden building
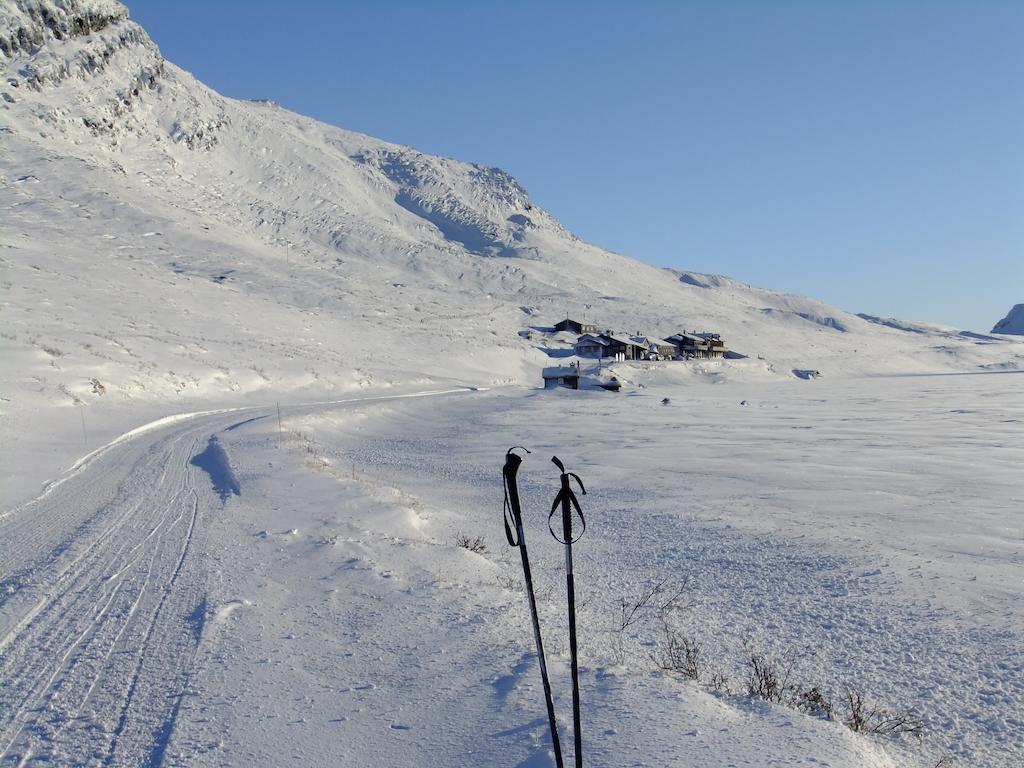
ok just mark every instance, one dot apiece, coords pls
pixel 592 345
pixel 574 326
pixel 701 345
pixel 626 347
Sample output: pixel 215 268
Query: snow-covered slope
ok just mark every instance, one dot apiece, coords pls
pixel 1013 323
pixel 161 240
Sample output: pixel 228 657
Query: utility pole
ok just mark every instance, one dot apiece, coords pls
pixel 280 427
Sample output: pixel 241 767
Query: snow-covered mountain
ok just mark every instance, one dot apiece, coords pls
pixel 1013 323
pixel 159 239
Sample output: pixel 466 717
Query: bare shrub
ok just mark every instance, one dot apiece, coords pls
pixel 814 702
pixel 658 599
pixel 719 682
pixel 656 596
pixel 476 545
pixel 856 711
pixel 678 653
pixel 510 582
pixel 314 458
pixel 862 717
pixel 317 463
pixel 771 680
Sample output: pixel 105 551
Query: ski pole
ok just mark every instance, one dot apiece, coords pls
pixel 566 499
pixel 514 511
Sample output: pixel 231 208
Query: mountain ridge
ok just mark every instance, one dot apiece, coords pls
pixel 1013 323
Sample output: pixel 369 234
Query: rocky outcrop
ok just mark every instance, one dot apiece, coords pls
pixel 483 209
pixel 26 25
pixel 75 64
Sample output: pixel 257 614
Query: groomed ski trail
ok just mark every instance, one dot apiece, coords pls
pixel 102 595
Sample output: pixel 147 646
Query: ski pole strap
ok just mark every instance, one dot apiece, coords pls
pixel 513 513
pixel 566 495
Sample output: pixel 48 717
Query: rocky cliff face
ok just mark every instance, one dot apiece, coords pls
pixel 25 25
pixel 74 67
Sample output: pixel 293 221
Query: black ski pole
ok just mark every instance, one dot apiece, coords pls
pixel 566 499
pixel 518 539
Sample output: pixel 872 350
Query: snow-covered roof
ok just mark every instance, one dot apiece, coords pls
pixel 650 341
pixel 557 371
pixel 688 337
pixel 623 339
pixel 660 342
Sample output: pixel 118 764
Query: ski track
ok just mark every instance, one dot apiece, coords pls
pixel 102 601
pixel 102 560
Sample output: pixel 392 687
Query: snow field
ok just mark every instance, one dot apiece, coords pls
pixel 329 616
pixel 351 631
pixel 825 524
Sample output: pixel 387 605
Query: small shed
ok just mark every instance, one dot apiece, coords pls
pixel 575 326
pixel 562 376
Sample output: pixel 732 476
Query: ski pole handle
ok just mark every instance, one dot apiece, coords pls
pixel 513 511
pixel 567 501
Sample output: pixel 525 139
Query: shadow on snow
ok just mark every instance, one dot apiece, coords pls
pixel 214 462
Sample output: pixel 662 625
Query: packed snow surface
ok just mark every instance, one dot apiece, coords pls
pixel 258 378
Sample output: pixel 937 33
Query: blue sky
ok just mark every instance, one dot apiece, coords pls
pixel 870 154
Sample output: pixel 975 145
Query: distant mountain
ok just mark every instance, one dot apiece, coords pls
pixel 1013 323
pixel 160 240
